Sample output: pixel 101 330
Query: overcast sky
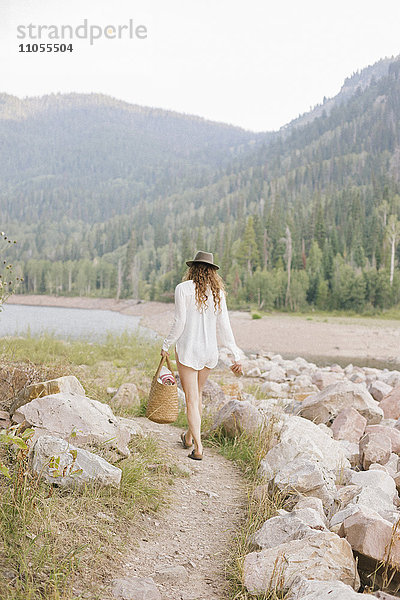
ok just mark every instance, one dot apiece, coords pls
pixel 253 63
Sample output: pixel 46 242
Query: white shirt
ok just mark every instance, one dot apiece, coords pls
pixel 195 332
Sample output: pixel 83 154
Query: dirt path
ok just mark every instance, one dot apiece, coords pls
pixel 185 548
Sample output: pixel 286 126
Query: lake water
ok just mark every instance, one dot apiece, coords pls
pixel 66 323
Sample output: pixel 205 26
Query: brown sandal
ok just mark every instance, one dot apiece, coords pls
pixel 195 456
pixel 183 440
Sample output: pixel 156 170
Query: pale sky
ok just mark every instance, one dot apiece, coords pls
pixel 254 63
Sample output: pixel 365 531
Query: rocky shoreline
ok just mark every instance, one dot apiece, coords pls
pixel 334 454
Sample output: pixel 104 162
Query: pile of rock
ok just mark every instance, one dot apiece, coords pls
pixel 337 456
pixel 64 421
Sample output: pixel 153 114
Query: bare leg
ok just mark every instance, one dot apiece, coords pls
pixel 189 380
pixel 202 378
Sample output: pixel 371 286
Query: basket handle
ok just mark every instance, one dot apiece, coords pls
pixel 163 358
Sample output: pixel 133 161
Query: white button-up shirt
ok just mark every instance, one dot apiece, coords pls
pixel 195 332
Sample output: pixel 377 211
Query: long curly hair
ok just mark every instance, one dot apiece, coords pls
pixel 205 277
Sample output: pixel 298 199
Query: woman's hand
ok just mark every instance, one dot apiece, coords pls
pixel 164 352
pixel 236 367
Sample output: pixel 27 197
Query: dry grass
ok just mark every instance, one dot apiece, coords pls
pixel 247 451
pixel 66 545
pixel 52 539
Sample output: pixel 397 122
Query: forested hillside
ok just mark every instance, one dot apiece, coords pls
pixel 110 199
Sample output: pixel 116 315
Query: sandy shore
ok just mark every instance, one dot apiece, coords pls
pixel 343 339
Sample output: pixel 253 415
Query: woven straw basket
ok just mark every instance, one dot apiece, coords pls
pixel 162 406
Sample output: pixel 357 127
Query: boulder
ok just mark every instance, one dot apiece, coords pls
pixel 347 493
pixel 284 528
pixel 68 384
pixel 313 503
pixel 392 378
pixel 135 588
pixel 276 373
pixel 304 589
pixel 375 448
pixel 391 432
pixel 213 397
pixel 304 476
pixel 391 404
pixel 378 490
pixel 322 555
pixel 349 425
pixel 237 417
pixel 340 516
pixel 379 389
pixel 61 463
pixel 324 406
pixel 391 467
pixel 373 479
pixel 301 439
pixel 372 536
pixel 274 389
pixel 352 452
pixel 357 377
pixel 127 396
pixel 131 425
pixel 324 378
pixel 65 414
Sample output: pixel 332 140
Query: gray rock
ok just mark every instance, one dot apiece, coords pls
pixel 304 589
pixel 324 406
pixel 304 476
pixel 287 527
pixel 313 503
pixel 67 384
pixel 279 530
pixel 135 588
pixel 64 414
pixel 127 396
pixel 303 441
pixel 237 417
pixel 276 373
pixel 310 516
pixel 76 467
pixel 322 555
pixel 131 425
pixel 352 452
pixel 274 389
pixel 379 389
pixel 213 397
pixel 375 448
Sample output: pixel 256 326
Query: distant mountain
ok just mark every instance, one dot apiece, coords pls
pixel 352 85
pixel 108 198
pixel 92 157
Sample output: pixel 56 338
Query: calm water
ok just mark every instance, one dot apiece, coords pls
pixel 73 323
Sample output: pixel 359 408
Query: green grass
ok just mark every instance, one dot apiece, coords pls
pixel 125 350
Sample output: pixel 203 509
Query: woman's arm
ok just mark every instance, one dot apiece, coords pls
pixel 179 319
pixel 225 330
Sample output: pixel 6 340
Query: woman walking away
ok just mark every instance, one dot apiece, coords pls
pixel 200 307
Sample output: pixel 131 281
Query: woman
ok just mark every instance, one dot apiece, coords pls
pixel 200 306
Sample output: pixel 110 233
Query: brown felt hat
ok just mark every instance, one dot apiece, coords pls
pixel 203 257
